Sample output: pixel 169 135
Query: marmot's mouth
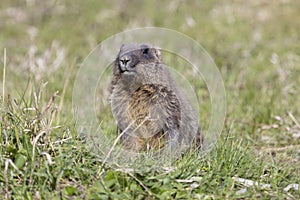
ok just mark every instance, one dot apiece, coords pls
pixel 122 69
pixel 126 72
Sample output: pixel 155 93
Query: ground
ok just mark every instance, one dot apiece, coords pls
pixel 256 47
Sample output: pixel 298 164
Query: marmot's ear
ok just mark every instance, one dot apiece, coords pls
pixel 157 51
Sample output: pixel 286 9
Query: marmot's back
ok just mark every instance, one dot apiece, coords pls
pixel 150 109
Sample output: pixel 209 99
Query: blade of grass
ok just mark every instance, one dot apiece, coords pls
pixel 66 83
pixel 4 71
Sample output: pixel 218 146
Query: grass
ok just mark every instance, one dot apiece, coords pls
pixel 256 46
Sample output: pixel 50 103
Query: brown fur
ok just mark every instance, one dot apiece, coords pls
pixel 147 103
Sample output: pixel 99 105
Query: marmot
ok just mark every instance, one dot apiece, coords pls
pixel 151 111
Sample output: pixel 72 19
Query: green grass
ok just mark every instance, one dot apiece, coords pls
pixel 256 46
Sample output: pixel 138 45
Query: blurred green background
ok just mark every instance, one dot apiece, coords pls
pixel 255 45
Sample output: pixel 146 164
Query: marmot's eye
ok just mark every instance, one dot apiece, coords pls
pixel 145 51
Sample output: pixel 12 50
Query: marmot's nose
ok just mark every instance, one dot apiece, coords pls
pixel 125 62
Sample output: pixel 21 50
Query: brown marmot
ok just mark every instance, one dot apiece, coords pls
pixel 151 111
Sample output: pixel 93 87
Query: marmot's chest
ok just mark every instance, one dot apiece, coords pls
pixel 150 109
pixel 153 102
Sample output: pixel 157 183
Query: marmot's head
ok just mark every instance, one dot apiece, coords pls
pixel 136 60
pixel 131 55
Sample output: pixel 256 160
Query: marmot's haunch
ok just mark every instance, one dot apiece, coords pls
pixel 151 111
